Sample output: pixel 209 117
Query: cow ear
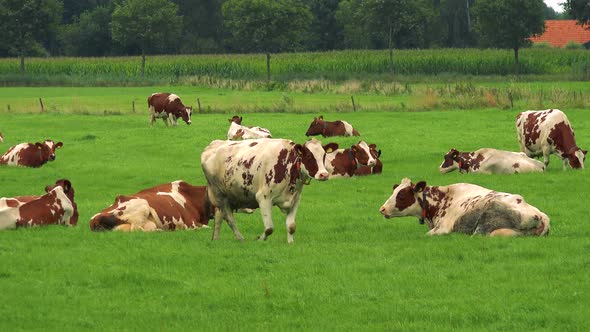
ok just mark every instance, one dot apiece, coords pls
pixel 47 189
pixel 372 146
pixel 59 145
pixel 321 117
pixel 395 186
pixel 39 145
pixel 378 153
pixel 330 147
pixel 299 149
pixel 584 152
pixel 229 120
pixel 455 153
pixel 67 186
pixel 419 187
pixel 240 119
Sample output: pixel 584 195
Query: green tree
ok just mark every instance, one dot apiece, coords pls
pixel 87 35
pixel 267 26
pixel 26 24
pixel 146 25
pixel 325 31
pixel 509 23
pixel 579 10
pixel 202 30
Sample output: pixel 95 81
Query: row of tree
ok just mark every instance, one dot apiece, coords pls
pixel 131 27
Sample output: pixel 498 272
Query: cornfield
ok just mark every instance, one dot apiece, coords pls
pixel 337 65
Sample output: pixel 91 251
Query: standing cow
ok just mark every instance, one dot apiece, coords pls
pixel 465 208
pixel 260 173
pixel 541 133
pixel 345 162
pixel 330 128
pixel 169 108
pixel 489 161
pixel 30 155
pixel 57 206
pixel 170 206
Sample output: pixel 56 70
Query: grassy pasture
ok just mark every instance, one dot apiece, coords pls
pixel 349 268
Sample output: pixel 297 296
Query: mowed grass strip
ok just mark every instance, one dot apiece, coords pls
pixel 348 269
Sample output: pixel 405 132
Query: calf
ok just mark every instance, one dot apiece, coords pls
pixel 541 133
pixel 260 173
pixel 465 208
pixel 368 170
pixel 345 162
pixel 490 161
pixel 237 131
pixel 169 108
pixel 327 128
pixel 29 154
pixel 57 206
pixel 170 206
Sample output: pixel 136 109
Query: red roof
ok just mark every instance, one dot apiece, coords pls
pixel 560 32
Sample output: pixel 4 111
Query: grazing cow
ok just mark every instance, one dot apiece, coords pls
pixel 57 206
pixel 169 108
pixel 465 208
pixel 29 154
pixel 490 161
pixel 237 131
pixel 368 170
pixel 259 174
pixel 330 128
pixel 541 133
pixel 170 206
pixel 345 162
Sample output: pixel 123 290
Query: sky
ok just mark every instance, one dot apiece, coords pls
pixel 555 5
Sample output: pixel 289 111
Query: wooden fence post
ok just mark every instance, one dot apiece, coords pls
pixel 8 107
pixel 133 105
pixel 41 103
pixel 199 104
pixel 353 104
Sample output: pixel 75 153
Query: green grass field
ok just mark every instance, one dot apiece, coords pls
pixel 348 269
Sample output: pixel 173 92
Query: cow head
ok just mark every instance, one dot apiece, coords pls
pixel 312 156
pixel 404 200
pixel 48 149
pixel 235 119
pixel 450 162
pixel 362 153
pixel 576 158
pixel 68 191
pixel 374 152
pixel 185 114
pixel 316 127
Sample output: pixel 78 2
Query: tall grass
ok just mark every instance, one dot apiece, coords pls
pixel 336 65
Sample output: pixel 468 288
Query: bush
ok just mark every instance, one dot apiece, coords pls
pixel 542 45
pixel 572 45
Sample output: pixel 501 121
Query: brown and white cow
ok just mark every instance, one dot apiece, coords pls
pixel 237 131
pixel 376 169
pixel 345 162
pixel 260 173
pixel 57 206
pixel 541 133
pixel 169 108
pixel 169 206
pixel 30 155
pixel 330 128
pixel 490 161
pixel 465 208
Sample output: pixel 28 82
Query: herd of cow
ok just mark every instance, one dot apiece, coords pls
pixel 251 170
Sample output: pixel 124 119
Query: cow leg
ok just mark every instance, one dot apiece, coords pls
pixel 152 119
pixel 150 227
pixel 124 228
pixel 217 225
pixel 165 119
pixel 565 162
pixel 229 217
pixel 290 221
pixel 546 155
pixel 505 232
pixel 266 212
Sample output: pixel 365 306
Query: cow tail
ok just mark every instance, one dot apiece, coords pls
pixel 105 222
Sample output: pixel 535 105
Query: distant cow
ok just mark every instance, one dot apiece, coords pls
pixel 490 161
pixel 169 108
pixel 57 206
pixel 260 173
pixel 376 169
pixel 541 133
pixel 237 131
pixel 345 162
pixel 29 154
pixel 465 208
pixel 170 206
pixel 330 128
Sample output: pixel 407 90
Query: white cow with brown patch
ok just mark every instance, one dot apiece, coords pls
pixel 489 161
pixel 542 133
pixel 465 208
pixel 345 162
pixel 237 131
pixel 260 173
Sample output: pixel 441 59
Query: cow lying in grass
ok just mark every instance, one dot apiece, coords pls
pixel 465 208
pixel 57 206
pixel 170 206
pixel 345 162
pixel 330 128
pixel 490 161
pixel 375 169
pixel 237 131
pixel 30 155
